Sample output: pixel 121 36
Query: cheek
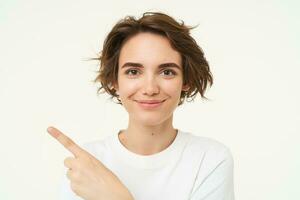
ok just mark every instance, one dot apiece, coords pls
pixel 172 88
pixel 126 88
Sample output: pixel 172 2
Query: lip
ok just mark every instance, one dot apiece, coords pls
pixel 150 101
pixel 150 104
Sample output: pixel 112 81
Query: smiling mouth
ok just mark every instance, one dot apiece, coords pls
pixel 150 104
pixel 150 101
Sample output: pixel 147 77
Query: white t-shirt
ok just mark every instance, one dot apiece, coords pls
pixel 191 168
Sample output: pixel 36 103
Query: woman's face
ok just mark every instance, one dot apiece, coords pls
pixel 149 69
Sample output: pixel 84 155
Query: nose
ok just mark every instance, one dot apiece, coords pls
pixel 150 86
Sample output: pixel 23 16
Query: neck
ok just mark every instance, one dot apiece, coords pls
pixel 147 140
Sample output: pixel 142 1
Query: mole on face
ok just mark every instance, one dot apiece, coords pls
pixel 152 133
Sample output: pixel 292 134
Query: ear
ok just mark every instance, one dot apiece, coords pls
pixel 185 87
pixel 115 86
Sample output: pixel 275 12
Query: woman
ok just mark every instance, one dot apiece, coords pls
pixel 151 65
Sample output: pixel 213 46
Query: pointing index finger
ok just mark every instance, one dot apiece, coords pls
pixel 68 143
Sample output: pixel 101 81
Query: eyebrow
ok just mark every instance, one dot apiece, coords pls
pixel 139 65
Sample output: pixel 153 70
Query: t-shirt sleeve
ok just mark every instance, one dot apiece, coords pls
pixel 217 184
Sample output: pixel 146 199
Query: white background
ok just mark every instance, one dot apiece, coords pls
pixel 253 50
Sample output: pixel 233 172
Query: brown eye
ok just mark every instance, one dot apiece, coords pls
pixel 169 72
pixel 131 72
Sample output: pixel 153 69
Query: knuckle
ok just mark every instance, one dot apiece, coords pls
pixel 68 142
pixel 68 162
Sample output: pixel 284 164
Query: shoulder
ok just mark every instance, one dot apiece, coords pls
pixel 213 150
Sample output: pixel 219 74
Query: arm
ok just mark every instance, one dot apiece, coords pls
pixel 90 178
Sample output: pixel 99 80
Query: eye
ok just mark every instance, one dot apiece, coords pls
pixel 169 72
pixel 134 72
pixel 131 72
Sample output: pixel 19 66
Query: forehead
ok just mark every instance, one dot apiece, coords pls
pixel 149 48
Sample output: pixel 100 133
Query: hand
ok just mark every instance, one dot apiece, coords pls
pixel 89 178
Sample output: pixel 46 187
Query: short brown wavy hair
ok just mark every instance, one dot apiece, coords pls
pixel 196 71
